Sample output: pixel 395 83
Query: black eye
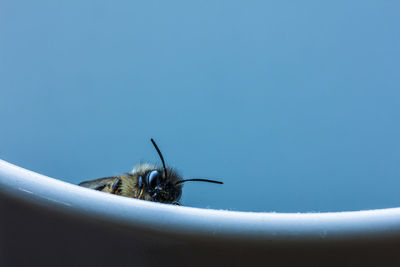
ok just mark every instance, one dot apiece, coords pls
pixel 153 178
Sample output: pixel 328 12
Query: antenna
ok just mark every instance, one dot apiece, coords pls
pixel 198 180
pixel 161 156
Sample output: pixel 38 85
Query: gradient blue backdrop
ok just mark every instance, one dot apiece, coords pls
pixel 293 104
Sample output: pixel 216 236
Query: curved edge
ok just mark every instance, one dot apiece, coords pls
pixel 38 189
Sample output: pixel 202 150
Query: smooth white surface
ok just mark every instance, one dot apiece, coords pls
pixel 42 190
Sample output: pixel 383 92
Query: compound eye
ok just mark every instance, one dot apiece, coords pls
pixel 153 179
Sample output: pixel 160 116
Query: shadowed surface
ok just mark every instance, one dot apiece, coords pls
pixel 32 235
pixel 58 224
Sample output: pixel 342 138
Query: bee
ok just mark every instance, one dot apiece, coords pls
pixel 146 182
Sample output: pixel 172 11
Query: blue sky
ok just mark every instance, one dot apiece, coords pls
pixel 294 105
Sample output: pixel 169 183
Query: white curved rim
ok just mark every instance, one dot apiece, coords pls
pixel 252 226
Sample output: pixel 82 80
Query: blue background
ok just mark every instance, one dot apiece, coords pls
pixel 293 104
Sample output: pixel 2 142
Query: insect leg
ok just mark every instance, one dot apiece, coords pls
pixel 140 188
pixel 116 186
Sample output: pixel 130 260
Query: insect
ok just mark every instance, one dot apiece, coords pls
pixel 146 181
